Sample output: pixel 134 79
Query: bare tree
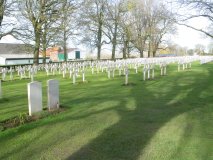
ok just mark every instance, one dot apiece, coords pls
pixel 126 35
pixel 91 23
pixel 2 9
pixel 115 11
pixel 68 22
pixel 201 8
pixel 51 26
pixel 139 28
pixel 161 22
pixel 6 22
pixel 35 19
pixel 199 49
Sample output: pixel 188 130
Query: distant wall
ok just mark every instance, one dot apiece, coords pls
pixel 22 61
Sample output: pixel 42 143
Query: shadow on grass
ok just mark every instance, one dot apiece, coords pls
pixel 126 139
pixel 136 126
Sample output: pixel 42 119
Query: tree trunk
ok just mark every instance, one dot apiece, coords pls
pixel 65 47
pixel 2 3
pixel 154 53
pixel 65 51
pixel 100 31
pixel 113 48
pixel 44 44
pixel 44 54
pixel 141 53
pixel 114 41
pixel 149 51
pixel 124 50
pixel 37 47
pixel 99 42
pixel 99 52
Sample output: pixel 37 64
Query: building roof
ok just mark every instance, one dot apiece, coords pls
pixel 9 48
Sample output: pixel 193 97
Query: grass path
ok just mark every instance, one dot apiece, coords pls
pixel 170 118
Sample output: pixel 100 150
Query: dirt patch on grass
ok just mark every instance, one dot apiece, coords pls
pixel 25 118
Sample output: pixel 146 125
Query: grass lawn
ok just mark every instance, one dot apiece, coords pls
pixel 169 118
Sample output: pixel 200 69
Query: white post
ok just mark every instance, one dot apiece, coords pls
pixel 126 76
pixel 144 73
pixel 109 73
pixel 136 69
pixel 164 70
pixel 64 72
pixel 73 78
pixel 34 97
pixel 47 70
pixel 70 73
pixel 83 75
pixel 53 94
pixel 161 70
pixel 3 74
pixel 11 76
pixel 148 72
pixel 153 73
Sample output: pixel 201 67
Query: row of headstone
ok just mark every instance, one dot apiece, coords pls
pixel 147 70
pixel 205 59
pixel 35 96
pixel 96 66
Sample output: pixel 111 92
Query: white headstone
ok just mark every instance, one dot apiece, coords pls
pixel 53 94
pixel 144 73
pixel 34 97
pixel 153 71
pixel 74 78
pixel 148 70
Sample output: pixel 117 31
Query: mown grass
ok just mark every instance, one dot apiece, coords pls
pixel 169 118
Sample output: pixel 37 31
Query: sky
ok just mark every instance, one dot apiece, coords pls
pixel 187 37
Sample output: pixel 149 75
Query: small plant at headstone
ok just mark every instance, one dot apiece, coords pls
pixel 22 118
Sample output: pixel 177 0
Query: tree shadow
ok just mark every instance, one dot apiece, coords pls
pixel 127 139
pixel 138 123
